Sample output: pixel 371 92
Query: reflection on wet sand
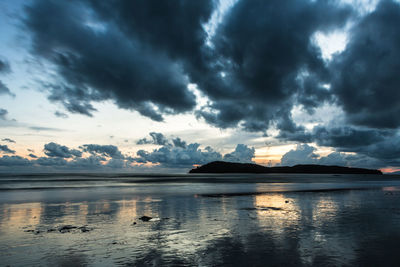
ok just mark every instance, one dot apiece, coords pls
pixel 293 228
pixel 17 216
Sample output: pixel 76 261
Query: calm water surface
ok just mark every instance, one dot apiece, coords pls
pixel 200 220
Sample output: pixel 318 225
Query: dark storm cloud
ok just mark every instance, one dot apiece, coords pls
pixel 265 62
pixel 348 138
pixel 8 140
pixel 103 150
pixel 156 139
pixel 261 62
pixel 6 149
pixel 127 51
pixel 32 155
pixel 59 151
pixel 366 75
pixel 142 54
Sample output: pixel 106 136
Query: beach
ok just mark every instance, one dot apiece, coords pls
pixel 199 220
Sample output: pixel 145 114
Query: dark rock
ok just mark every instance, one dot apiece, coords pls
pixel 286 201
pixel 133 223
pixel 84 229
pixel 66 228
pixel 145 218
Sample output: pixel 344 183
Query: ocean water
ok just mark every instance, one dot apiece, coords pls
pixel 199 220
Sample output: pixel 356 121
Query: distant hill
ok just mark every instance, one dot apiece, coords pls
pixel 231 167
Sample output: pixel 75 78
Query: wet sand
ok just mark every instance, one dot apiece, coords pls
pixel 314 221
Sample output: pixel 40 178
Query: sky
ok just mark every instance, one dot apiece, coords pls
pixel 162 86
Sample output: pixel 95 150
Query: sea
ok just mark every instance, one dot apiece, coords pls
pixel 199 220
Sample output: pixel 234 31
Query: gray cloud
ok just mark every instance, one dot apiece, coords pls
pixel 4 69
pixel 4 90
pixel 32 155
pixel 39 128
pixel 242 153
pixel 4 66
pixel 10 161
pixel 305 154
pixel 366 80
pixel 178 142
pixel 181 154
pixel 3 114
pixel 126 51
pixel 156 139
pixel 6 149
pixel 60 114
pixel 261 63
pixel 169 156
pixel 58 151
pixel 268 61
pixel 103 150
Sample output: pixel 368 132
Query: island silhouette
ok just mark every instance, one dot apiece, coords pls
pixel 233 167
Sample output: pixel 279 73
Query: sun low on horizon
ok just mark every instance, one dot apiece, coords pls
pixel 165 86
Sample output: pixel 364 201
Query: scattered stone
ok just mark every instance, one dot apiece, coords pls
pixel 66 228
pixel 133 223
pixel 286 201
pixel 85 229
pixel 51 230
pixel 145 218
pixel 33 231
pixel 114 243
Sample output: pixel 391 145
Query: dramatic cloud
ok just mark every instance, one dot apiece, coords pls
pixel 143 55
pixel 156 139
pixel 5 149
pixel 366 74
pixel 265 62
pixel 242 153
pixel 258 64
pixel 103 151
pixel 8 140
pixel 58 151
pixel 127 51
